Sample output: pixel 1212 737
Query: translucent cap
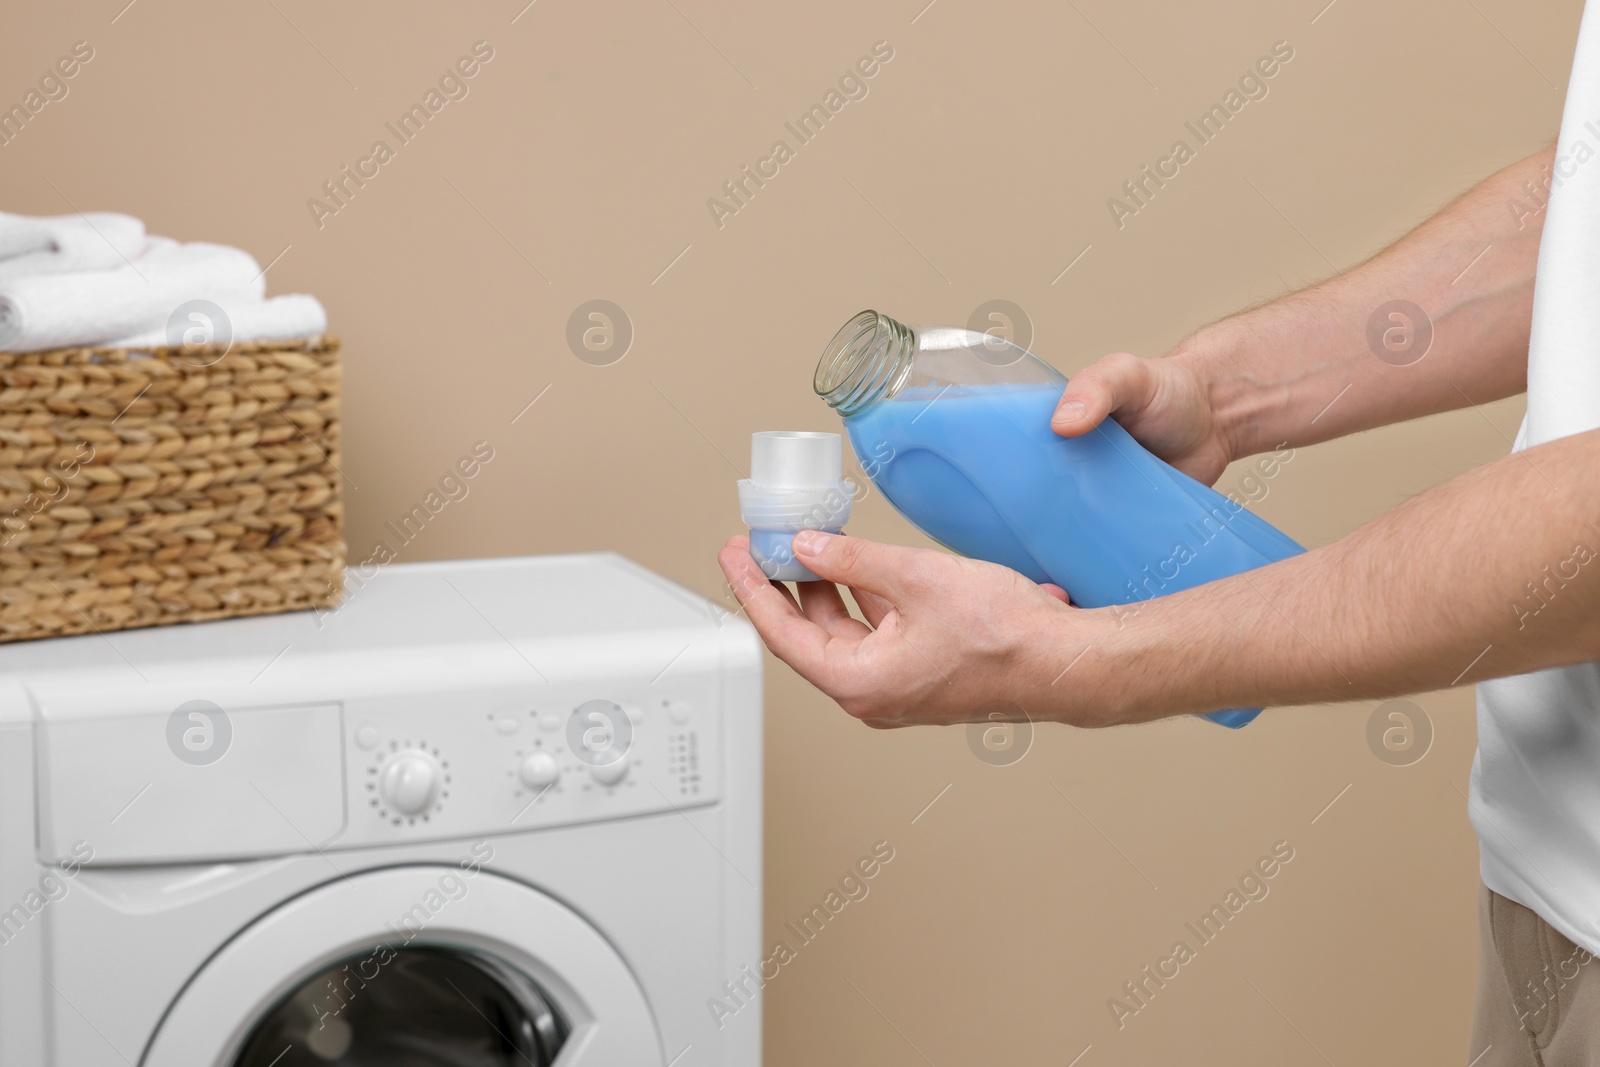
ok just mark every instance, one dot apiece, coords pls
pixel 795 459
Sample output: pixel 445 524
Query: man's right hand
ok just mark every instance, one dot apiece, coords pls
pixel 1161 402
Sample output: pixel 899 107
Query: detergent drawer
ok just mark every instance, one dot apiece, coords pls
pixel 186 780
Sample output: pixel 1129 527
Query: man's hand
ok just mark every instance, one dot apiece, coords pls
pixel 1439 591
pixel 947 640
pixel 1163 403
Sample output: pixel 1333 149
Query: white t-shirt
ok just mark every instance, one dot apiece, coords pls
pixel 1535 798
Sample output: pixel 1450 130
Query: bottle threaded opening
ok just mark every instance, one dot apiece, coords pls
pixel 867 361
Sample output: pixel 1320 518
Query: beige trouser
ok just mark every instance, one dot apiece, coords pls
pixel 1538 993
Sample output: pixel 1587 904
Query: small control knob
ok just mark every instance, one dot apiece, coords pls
pixel 610 773
pixel 410 782
pixel 539 771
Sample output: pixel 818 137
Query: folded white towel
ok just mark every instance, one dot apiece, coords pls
pixel 98 240
pixel 280 318
pixel 92 307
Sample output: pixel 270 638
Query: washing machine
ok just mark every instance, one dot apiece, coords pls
pixel 485 813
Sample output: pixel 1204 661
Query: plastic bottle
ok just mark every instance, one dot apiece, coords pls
pixel 796 483
pixel 953 426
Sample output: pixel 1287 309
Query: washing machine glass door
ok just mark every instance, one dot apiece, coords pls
pixel 428 1007
pixel 418 966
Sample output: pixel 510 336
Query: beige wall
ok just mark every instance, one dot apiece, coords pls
pixel 578 167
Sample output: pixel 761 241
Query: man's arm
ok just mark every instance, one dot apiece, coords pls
pixel 1303 369
pixel 1496 572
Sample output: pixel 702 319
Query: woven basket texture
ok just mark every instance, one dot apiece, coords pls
pixel 174 486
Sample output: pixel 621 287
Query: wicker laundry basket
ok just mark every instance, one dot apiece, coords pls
pixel 169 486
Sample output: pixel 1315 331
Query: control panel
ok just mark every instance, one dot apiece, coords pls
pixel 483 764
pixel 449 701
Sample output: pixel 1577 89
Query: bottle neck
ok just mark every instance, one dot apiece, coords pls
pixel 867 361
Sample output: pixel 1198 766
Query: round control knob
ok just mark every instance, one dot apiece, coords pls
pixel 539 771
pixel 610 773
pixel 410 782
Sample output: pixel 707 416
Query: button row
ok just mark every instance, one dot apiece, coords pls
pixel 540 771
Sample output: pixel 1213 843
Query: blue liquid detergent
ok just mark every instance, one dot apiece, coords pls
pixel 978 469
pixel 774 551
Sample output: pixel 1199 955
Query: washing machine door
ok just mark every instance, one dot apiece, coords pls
pixel 421 966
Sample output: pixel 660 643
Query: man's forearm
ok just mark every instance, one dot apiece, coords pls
pixel 1496 572
pixel 1302 369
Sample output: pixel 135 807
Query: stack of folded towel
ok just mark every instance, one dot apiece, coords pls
pixel 98 280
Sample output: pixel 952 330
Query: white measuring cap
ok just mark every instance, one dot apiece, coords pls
pixel 795 459
pixel 796 481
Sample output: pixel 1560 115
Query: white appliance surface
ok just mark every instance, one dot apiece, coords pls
pixel 196 820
